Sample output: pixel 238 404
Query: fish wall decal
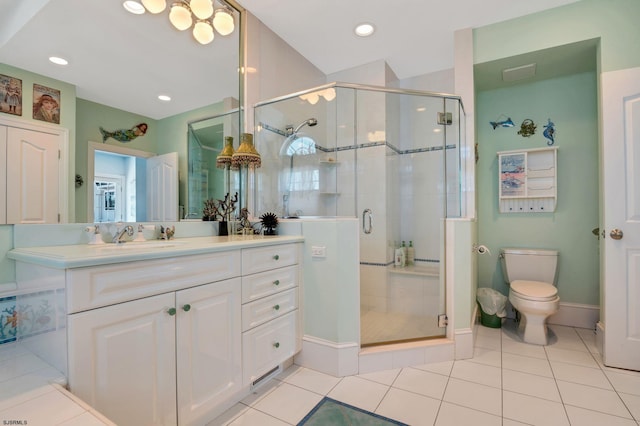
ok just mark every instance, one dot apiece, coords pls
pixel 504 123
pixel 124 135
pixel 549 132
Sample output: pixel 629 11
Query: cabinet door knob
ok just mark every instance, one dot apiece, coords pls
pixel 276 257
pixel 186 307
pixel 277 307
pixel 276 345
pixel 171 311
pixel 276 282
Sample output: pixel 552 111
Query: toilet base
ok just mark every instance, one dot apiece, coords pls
pixel 533 329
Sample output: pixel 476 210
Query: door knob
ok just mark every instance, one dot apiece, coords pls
pixel 616 234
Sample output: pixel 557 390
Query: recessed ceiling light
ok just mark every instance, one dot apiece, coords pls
pixel 134 7
pixel 421 109
pixel 58 60
pixel 364 30
pixel 165 98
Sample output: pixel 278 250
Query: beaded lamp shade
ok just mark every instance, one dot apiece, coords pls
pixel 224 159
pixel 246 155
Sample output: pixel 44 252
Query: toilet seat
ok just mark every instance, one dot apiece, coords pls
pixel 534 290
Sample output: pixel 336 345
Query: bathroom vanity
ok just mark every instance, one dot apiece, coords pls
pixel 172 332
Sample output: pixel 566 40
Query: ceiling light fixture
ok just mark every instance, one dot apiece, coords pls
pixel 58 60
pixel 199 15
pixel 165 98
pixel 365 29
pixel 133 7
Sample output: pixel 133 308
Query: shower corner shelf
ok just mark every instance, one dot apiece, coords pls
pixel 423 271
pixel 328 193
pixel 328 163
pixel 528 180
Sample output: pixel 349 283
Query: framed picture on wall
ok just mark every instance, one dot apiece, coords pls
pixel 46 104
pixel 10 95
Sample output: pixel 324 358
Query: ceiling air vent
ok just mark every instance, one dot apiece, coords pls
pixel 519 73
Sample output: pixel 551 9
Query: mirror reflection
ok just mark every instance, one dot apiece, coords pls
pixel 118 67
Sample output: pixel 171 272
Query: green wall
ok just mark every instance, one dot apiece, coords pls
pixel 614 21
pixel 571 103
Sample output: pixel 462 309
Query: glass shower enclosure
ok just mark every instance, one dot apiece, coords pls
pixel 391 158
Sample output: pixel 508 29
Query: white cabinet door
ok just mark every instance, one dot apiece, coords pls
pixel 209 353
pixel 122 360
pixel 32 176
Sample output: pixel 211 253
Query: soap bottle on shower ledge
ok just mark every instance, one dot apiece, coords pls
pixel 400 259
pixel 411 254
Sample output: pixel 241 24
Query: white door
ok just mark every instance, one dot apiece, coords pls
pixel 32 176
pixel 162 187
pixel 621 211
pixel 209 352
pixel 3 175
pixel 122 360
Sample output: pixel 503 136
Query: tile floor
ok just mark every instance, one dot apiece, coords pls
pixel 506 383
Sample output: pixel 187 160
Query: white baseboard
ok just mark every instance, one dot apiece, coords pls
pixel 336 359
pixel 576 315
pixel 465 337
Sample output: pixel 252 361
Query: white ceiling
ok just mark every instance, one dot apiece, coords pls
pixel 125 61
pixel 414 37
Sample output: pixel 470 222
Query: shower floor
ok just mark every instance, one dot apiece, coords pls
pixel 386 327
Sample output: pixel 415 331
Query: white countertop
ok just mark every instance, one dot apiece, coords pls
pixel 82 255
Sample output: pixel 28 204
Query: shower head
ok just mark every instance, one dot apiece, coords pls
pixel 308 122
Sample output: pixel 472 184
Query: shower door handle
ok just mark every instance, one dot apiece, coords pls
pixel 367 229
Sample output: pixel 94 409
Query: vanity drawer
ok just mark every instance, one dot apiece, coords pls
pixel 268 345
pixel 266 283
pixel 265 258
pixel 97 286
pixel 268 308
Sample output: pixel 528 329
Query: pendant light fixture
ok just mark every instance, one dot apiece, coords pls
pixel 154 6
pixel 199 15
pixel 223 21
pixel 180 16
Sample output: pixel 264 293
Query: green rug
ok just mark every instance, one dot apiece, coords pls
pixel 330 412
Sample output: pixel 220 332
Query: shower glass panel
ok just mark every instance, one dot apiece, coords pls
pixel 391 158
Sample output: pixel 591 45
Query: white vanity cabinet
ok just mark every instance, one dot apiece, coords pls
pixel 33 168
pixel 270 314
pixel 175 355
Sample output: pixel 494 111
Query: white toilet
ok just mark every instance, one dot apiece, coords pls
pixel 531 275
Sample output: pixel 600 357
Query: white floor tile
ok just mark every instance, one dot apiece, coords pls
pixel 475 396
pixel 258 394
pixel 230 415
pixel 581 416
pixel 19 365
pixel 579 374
pixel 48 409
pixel 85 419
pixel 567 338
pixel 624 382
pixel 532 410
pixel 572 357
pixel 443 368
pixel 633 404
pixel 421 382
pixel 455 415
pixel 487 357
pixel 526 364
pixel 254 417
pixel 488 341
pixel 530 384
pixel 359 392
pixel 407 407
pixel 313 381
pixel 384 377
pixel 288 403
pixel 523 349
pixel 477 373
pixel 591 398
pixel 25 387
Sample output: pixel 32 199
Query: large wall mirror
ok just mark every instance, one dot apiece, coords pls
pixel 119 64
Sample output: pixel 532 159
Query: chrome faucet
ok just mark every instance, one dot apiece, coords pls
pixel 119 238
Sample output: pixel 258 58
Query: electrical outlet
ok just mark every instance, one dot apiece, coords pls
pixel 318 251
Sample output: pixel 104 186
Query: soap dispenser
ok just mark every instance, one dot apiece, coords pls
pixel 411 254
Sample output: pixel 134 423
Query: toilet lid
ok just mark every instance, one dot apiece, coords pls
pixel 534 290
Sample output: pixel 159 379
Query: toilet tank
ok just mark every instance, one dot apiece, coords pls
pixel 529 264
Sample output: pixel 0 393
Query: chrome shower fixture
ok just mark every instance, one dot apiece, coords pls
pixel 289 130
